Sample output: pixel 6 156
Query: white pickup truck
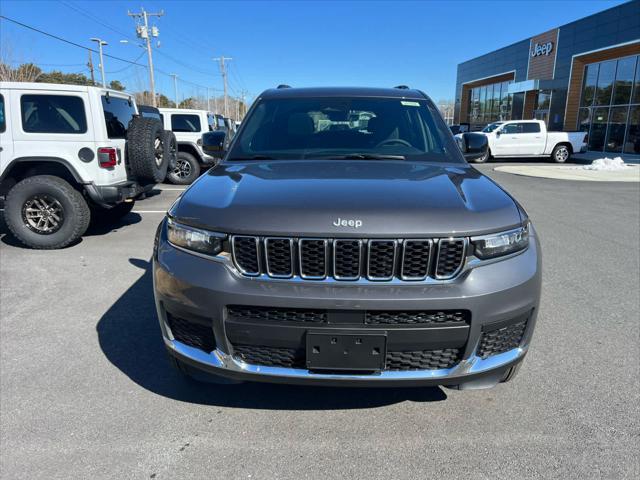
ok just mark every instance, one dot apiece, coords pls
pixel 530 138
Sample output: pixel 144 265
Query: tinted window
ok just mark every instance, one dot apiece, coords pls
pixel 530 127
pixel 185 123
pixel 333 127
pixel 118 112
pixel 151 114
pixel 3 123
pixel 511 128
pixel 624 80
pixel 605 82
pixel 53 114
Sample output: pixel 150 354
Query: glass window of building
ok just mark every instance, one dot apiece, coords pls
pixel 589 85
pixel 632 138
pixel 605 83
pixel 614 93
pixel 624 80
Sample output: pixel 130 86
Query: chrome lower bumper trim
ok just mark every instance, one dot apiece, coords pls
pixel 468 367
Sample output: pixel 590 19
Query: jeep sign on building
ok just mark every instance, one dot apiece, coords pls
pixel 581 76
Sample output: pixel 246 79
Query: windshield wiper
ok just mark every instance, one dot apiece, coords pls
pixel 253 157
pixel 365 156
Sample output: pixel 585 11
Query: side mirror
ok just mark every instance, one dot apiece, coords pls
pixel 213 143
pixel 473 145
pixel 498 133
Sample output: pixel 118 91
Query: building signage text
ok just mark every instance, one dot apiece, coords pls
pixel 542 49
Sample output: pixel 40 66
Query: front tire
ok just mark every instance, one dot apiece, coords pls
pixel 483 159
pixel 46 212
pixel 187 170
pixel 561 153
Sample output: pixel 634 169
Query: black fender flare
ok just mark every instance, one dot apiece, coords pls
pixel 58 160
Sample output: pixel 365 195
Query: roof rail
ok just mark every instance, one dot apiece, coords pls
pixel 282 85
pixel 402 87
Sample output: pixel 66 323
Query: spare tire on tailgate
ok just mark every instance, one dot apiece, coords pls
pixel 146 150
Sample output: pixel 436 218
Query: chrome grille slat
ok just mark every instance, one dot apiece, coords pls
pixel 349 259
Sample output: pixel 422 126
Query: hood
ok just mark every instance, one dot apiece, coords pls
pixel 346 198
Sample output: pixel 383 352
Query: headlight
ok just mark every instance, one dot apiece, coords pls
pixel 504 243
pixel 201 241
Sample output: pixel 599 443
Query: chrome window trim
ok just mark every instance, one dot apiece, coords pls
pixel 393 267
pixel 326 258
pixel 429 260
pixel 235 260
pixel 462 263
pixel 335 242
pixel 266 256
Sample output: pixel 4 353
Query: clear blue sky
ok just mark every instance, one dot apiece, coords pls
pixel 301 43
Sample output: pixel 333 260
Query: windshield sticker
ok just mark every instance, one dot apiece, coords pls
pixel 407 103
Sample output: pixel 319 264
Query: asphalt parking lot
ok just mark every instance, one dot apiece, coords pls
pixel 86 392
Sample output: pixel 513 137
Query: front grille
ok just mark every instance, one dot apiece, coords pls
pixel 270 356
pixel 279 257
pixel 245 254
pixel 450 257
pixel 423 359
pixel 272 314
pixel 390 317
pixel 349 259
pixel 192 334
pixel 501 340
pixel 395 361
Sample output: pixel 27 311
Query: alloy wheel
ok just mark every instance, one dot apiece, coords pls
pixel 43 214
pixel 183 169
pixel 562 154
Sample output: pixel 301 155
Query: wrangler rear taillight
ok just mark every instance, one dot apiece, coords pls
pixel 107 157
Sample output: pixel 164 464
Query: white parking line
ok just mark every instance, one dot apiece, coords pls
pixel 171 189
pixel 149 211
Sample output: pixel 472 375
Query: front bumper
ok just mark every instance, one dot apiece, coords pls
pixel 495 294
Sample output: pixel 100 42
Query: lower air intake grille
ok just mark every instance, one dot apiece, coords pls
pixel 192 334
pixel 385 317
pixel 270 356
pixel 269 314
pixel 501 340
pixel 423 359
pixel 450 257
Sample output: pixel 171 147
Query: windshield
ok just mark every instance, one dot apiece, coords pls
pixel 491 127
pixel 356 127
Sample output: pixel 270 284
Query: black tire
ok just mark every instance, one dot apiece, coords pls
pixel 145 150
pixel 483 159
pixel 561 153
pixel 196 375
pixel 45 200
pixel 101 215
pixel 187 170
pixel 170 149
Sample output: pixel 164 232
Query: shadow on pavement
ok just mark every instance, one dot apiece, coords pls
pixel 130 338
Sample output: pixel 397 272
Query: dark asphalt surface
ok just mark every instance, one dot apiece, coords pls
pixel 86 392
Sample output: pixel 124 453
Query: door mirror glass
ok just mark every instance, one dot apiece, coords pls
pixel 473 145
pixel 213 143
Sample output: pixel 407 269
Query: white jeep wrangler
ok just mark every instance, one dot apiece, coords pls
pixel 69 153
pixel 188 126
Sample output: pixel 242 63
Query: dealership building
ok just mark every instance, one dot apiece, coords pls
pixel 583 76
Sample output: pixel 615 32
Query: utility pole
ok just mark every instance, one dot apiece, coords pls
pixel 223 71
pixel 100 45
pixel 144 33
pixel 175 87
pixel 208 101
pixel 90 65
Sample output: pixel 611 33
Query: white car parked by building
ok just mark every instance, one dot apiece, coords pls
pixel 530 138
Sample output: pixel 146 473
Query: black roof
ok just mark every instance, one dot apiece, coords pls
pixel 342 92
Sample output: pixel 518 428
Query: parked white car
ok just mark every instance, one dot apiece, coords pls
pixel 188 126
pixel 70 153
pixel 530 138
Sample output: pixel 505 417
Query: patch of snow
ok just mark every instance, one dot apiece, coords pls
pixel 607 165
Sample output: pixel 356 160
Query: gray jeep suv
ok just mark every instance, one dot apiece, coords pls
pixel 344 240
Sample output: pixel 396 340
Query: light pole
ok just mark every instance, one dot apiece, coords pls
pixel 101 43
pixel 175 86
